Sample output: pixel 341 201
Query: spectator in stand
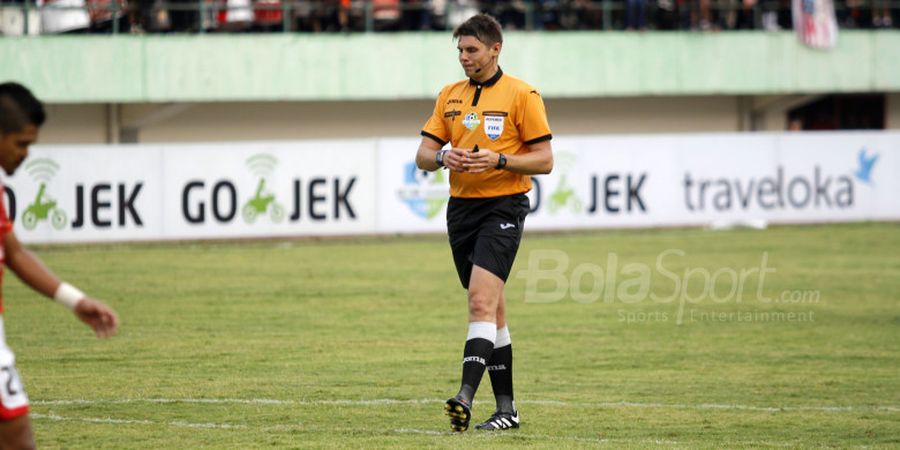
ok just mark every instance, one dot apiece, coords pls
pixel 140 16
pixel 881 14
pixel 701 18
pixel 438 10
pixel 183 15
pixel 12 19
pixel 725 14
pixel 236 16
pixel 592 14
pixel 636 15
pixel 458 11
pixel 104 12
pixel 666 15
pixel 745 19
pixel 577 14
pixel 267 15
pixel 386 14
pixel 770 15
pixel 64 16
pixel 77 16
pixel 546 14
pixel 327 15
pixel 344 15
pixel 416 15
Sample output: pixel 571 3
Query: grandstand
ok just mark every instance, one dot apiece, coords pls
pixel 296 85
pixel 255 87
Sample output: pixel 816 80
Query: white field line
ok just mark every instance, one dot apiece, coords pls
pixel 228 426
pixel 109 420
pixel 390 401
pixel 516 434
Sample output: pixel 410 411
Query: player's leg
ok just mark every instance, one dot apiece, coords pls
pixel 15 426
pixel 484 295
pixel 463 220
pixel 500 365
pixel 500 370
pixel 485 291
pixel 501 310
pixel 506 237
pixel 16 434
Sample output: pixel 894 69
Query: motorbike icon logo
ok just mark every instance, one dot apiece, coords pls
pixel 262 203
pixel 43 207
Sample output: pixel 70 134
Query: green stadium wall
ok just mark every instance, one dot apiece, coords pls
pixel 324 67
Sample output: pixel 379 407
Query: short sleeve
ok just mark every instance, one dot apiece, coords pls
pixel 5 225
pixel 534 127
pixel 436 127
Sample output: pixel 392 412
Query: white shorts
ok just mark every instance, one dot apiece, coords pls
pixel 13 400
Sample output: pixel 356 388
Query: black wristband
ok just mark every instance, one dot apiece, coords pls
pixel 439 158
pixel 501 161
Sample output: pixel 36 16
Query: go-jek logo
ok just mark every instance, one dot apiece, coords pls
pixel 317 198
pixel 564 196
pixel 263 202
pixel 425 193
pixel 608 193
pixel 44 207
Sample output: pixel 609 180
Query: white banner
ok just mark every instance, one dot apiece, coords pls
pixel 155 192
pixel 351 187
pixel 410 200
pixel 676 180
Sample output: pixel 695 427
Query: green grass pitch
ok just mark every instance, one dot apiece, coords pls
pixel 355 343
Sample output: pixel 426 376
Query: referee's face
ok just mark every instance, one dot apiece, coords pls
pixel 477 59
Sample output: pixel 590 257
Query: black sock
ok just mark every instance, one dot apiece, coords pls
pixel 475 356
pixel 500 369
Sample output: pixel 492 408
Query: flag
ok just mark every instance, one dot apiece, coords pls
pixel 815 23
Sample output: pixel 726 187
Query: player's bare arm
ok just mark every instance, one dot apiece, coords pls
pixel 537 160
pixel 100 317
pixel 426 156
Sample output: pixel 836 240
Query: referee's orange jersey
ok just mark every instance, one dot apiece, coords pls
pixel 503 114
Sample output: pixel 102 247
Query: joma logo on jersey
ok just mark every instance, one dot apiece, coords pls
pixel 453 101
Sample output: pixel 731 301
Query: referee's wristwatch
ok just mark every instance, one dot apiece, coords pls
pixel 501 161
pixel 439 158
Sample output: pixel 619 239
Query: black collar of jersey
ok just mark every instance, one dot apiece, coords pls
pixel 490 82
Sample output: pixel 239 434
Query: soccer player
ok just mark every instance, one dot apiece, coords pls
pixel 21 115
pixel 499 135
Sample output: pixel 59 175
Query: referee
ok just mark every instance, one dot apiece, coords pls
pixel 499 136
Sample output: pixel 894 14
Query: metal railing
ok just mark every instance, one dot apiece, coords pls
pixel 202 16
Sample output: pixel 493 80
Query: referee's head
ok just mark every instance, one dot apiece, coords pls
pixel 483 27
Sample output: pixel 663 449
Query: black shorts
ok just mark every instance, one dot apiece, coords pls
pixel 486 232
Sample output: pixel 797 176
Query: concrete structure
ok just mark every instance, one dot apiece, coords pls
pixel 283 86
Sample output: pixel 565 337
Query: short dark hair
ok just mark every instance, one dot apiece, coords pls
pixel 19 108
pixel 483 27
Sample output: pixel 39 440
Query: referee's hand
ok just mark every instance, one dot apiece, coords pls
pixel 455 159
pixel 480 161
